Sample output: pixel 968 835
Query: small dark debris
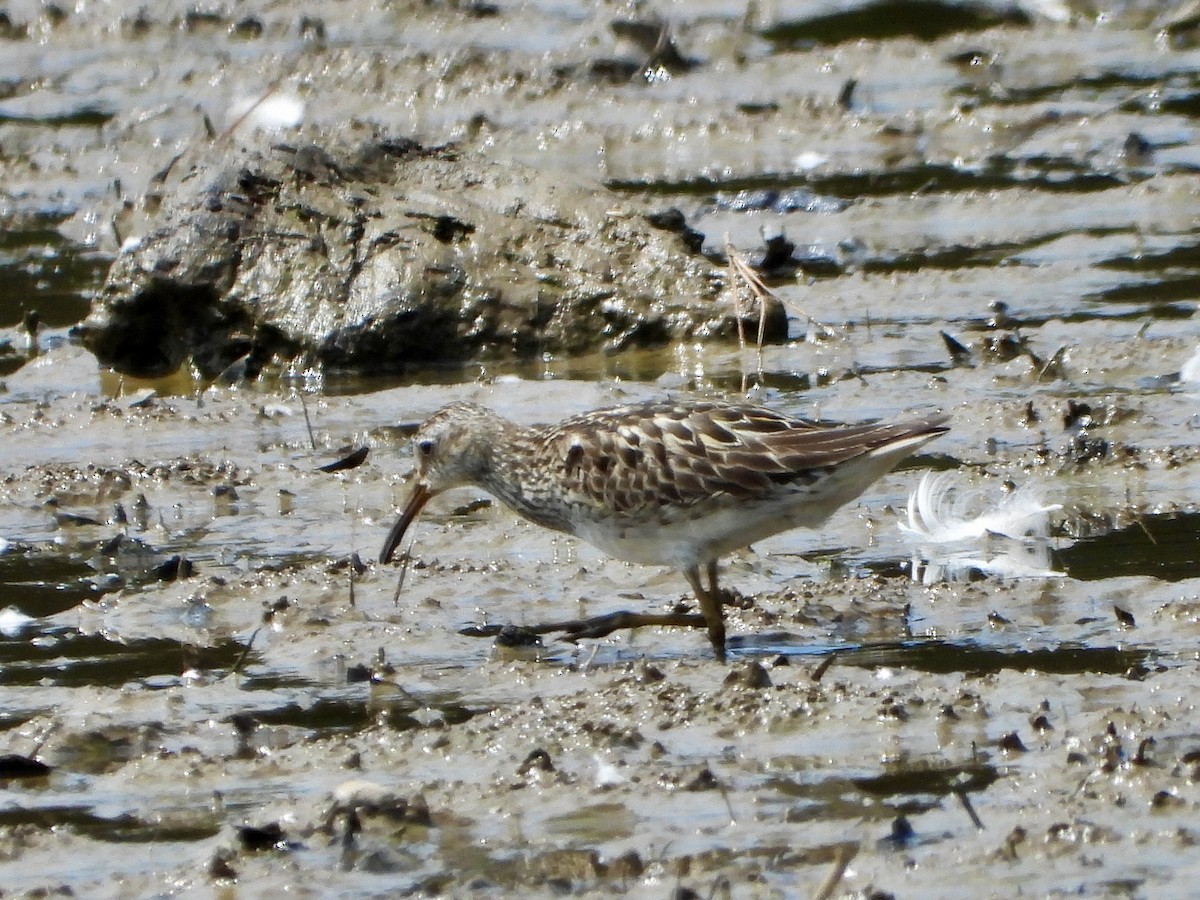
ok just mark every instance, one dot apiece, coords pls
pixel 704 780
pixel 653 39
pixel 972 58
pixel 312 29
pixel 74 520
pixel 1077 414
pixel 1041 723
pixel 350 460
pixel 752 108
pixel 446 229
pixel 353 562
pixel 1005 347
pixel 648 673
pixel 823 667
pixel 1015 838
pixel 614 71
pixel 1142 757
pixel 197 18
pixel 959 352
pixel 538 760
pixel 220 869
pixel 1137 672
pixel 671 219
pixel 14 765
pixel 266 837
pixel 1136 149
pixel 248 28
pixel 628 865
pixel 1163 799
pixel 173 569
pixel 778 255
pixel 902 831
pixel 1085 448
pixel 279 605
pixel 515 636
pixel 473 507
pixel 358 673
pixel 480 10
pixel 1124 616
pixel 846 95
pixel 1011 743
pixel 893 710
pixel 112 545
pixel 751 675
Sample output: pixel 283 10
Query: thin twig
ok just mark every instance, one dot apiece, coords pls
pixel 1052 364
pixel 246 652
pixel 307 421
pixel 405 559
pixel 841 860
pixel 819 671
pixel 1142 524
pixel 966 802
pixel 263 98
pixel 725 796
pixel 743 274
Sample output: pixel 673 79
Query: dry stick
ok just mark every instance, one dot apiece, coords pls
pixel 307 421
pixel 966 802
pixel 246 652
pixel 725 797
pixel 1142 524
pixel 1055 361
pixel 352 560
pixel 405 559
pixel 263 98
pixel 735 281
pixel 740 274
pixel 841 861
pixel 751 279
pixel 819 671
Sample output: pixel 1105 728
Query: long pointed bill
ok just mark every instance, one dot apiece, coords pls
pixel 419 498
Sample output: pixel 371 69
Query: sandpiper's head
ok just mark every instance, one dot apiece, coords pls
pixel 451 449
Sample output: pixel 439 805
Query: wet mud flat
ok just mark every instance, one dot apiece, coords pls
pixel 219 687
pixel 207 688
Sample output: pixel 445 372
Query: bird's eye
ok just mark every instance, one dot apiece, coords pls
pixel 425 448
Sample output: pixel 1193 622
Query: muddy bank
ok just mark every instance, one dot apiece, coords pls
pixel 386 256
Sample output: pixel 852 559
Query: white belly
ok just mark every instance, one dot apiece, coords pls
pixel 693 542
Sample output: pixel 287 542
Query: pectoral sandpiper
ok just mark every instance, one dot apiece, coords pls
pixel 675 483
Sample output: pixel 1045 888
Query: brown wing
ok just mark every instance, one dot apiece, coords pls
pixel 667 454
